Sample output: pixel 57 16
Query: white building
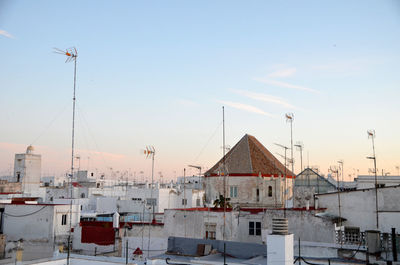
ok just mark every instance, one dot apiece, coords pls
pixel 358 207
pixel 38 227
pixel 251 175
pixel 368 181
pixel 27 170
pixel 246 225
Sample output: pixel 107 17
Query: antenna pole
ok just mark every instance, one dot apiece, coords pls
pixel 184 196
pixel 340 162
pixel 372 135
pixel 223 152
pixel 291 151
pixel 285 195
pixel 153 202
pixel 289 118
pixel 301 158
pixel 72 164
pixel 339 205
pixel 72 55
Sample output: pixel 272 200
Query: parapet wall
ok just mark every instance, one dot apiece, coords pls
pixel 188 246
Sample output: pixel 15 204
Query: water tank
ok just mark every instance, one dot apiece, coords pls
pixel 280 226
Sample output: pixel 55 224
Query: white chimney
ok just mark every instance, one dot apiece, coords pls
pixel 280 243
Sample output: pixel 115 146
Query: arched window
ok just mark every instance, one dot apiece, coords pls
pixel 269 191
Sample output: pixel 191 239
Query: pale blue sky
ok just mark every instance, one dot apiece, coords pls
pixel 158 72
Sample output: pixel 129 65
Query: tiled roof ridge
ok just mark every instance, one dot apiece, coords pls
pixel 227 155
pixel 248 136
pixel 250 142
pixel 267 154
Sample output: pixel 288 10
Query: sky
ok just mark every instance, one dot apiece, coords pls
pixel 157 73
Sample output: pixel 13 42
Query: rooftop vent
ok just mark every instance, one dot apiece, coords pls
pixel 280 226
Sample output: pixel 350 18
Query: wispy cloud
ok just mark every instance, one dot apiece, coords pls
pixel 187 102
pixel 284 84
pixel 283 73
pixel 6 34
pixel 245 107
pixel 265 98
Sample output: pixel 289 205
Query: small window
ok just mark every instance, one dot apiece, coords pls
pixel 197 202
pixel 151 201
pixel 83 195
pixel 211 230
pixel 258 195
pixel 269 191
pixel 184 201
pixel 233 191
pixel 255 228
pixel 251 228
pixel 258 228
pixel 64 219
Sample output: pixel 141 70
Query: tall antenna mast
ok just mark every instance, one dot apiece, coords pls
pixel 341 162
pixel 335 170
pixel 184 196
pixel 300 147
pixel 285 188
pixel 150 153
pixel 290 118
pixel 371 134
pixel 223 171
pixel 72 55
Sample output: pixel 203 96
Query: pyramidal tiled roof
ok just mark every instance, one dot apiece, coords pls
pixel 249 156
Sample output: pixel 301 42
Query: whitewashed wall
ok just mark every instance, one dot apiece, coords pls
pixel 358 207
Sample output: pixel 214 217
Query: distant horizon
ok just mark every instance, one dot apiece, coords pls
pixel 87 163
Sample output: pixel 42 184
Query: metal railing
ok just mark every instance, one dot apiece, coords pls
pixel 350 238
pixel 358 239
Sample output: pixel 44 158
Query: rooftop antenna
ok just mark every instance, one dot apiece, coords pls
pixel 300 147
pixel 197 167
pixel 335 170
pixel 285 192
pixel 340 162
pixel 225 173
pixel 161 177
pixel 78 157
pixel 224 169
pixel 288 160
pixel 371 134
pixel 184 197
pixel 72 55
pixel 150 153
pixel 290 119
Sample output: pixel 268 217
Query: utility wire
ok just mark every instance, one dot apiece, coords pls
pixel 51 123
pixel 92 135
pixel 208 141
pixel 24 215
